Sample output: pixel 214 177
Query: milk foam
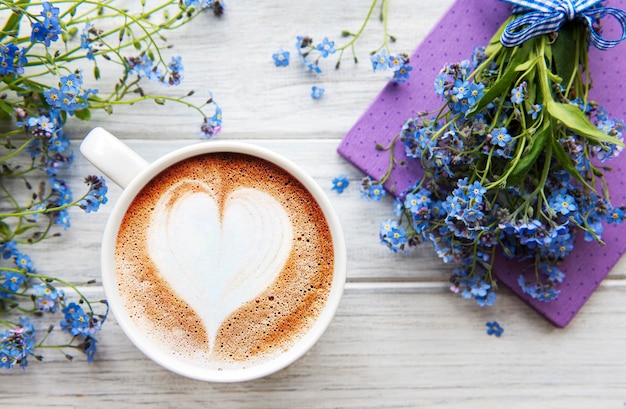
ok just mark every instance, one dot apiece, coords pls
pixel 218 256
pixel 182 196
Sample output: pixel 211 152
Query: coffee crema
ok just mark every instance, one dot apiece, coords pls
pixel 224 260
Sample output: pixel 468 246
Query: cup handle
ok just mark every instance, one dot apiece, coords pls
pixel 112 156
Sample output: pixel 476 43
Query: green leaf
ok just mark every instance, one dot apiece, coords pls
pixel 528 64
pixel 159 101
pixel 84 114
pixel 6 108
pixel 563 51
pixel 531 153
pixel 22 229
pixel 506 81
pixel 5 231
pixel 31 85
pixel 20 84
pixel 573 118
pixel 566 162
pixel 554 78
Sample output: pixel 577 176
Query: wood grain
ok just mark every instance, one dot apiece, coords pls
pixel 390 346
pixel 400 338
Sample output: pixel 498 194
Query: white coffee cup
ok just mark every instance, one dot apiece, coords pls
pixel 132 173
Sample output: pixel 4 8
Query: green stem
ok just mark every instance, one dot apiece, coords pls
pixel 74 288
pixel 540 186
pixel 8 324
pixel 148 34
pixel 515 160
pixel 43 211
pixel 542 68
pixel 98 105
pixel 392 160
pixel 358 33
pixel 17 11
pixel 385 13
pixel 14 152
pixel 40 344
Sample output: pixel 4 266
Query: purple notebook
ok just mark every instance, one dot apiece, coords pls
pixel 467 24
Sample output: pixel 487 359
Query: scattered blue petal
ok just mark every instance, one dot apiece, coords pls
pixel 340 183
pixel 493 328
pixel 317 92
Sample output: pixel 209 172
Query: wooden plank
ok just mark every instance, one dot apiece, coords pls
pixel 400 338
pixel 388 347
pixel 232 58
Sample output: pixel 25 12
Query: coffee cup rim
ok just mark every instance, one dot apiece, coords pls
pixel 143 343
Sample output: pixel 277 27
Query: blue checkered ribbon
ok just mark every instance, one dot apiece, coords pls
pixel 539 17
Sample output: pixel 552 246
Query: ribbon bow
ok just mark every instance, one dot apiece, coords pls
pixel 547 16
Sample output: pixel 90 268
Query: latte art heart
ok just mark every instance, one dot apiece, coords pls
pixel 218 253
pixel 223 261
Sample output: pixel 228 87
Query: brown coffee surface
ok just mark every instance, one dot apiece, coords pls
pixel 260 328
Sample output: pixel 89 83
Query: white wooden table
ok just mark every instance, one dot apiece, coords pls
pixel 400 338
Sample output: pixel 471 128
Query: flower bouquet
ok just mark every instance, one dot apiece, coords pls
pixel 514 159
pixel 44 48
